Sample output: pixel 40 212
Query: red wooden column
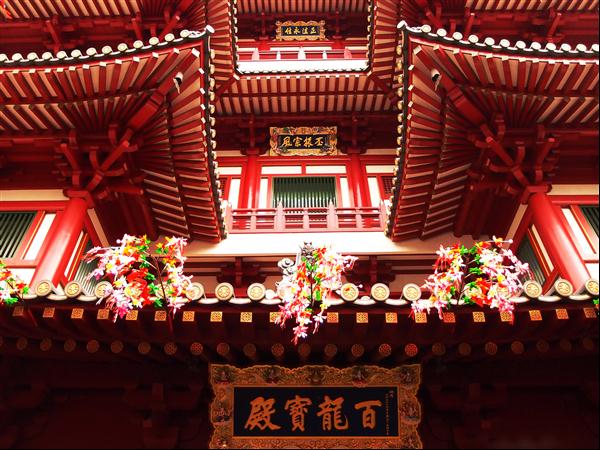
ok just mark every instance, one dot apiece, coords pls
pixel 250 181
pixel 557 240
pixel 358 179
pixel 62 240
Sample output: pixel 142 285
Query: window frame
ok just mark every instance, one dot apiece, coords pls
pixel 18 261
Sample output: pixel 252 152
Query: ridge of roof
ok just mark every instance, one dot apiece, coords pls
pixel 489 43
pixel 91 54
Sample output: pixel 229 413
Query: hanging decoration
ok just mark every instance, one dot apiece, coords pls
pixel 12 288
pixel 140 278
pixel 487 274
pixel 307 284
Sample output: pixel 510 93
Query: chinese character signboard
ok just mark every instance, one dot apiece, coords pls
pixel 315 407
pixel 304 141
pixel 300 31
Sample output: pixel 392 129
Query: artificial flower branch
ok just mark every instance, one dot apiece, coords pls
pixel 486 274
pixel 12 288
pixel 307 284
pixel 138 277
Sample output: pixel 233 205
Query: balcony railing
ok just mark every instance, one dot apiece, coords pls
pixel 290 220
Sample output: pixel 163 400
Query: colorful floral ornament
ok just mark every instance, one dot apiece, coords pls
pixel 487 274
pixel 12 288
pixel 307 284
pixel 138 277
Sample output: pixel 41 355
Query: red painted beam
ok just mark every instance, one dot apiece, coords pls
pixel 557 240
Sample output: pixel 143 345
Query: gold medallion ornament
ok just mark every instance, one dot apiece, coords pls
pixel 43 288
pixel 194 292
pixel 256 292
pixel 100 291
pixel 532 289
pixel 411 292
pixel 300 30
pixel 563 287
pixel 591 286
pixel 224 292
pixel 380 292
pixel 349 292
pixel 315 407
pixel 72 289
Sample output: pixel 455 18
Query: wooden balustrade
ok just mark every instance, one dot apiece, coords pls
pixel 289 220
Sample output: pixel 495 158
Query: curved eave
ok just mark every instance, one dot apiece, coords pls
pixel 130 87
pixel 187 39
pixel 454 58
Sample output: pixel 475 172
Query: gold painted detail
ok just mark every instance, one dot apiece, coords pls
pixel 411 292
pixel 349 292
pixel 260 414
pixel 256 292
pixel 532 289
pixel 563 287
pixel 380 292
pixel 43 288
pixel 224 292
pixel 300 30
pixel 72 289
pixel 303 141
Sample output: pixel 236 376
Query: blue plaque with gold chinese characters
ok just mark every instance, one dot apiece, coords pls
pixel 315 407
pixel 303 141
pixel 300 30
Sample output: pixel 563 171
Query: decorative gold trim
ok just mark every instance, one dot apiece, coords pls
pixel 535 315
pixel 349 292
pixel 223 379
pixel 420 317
pixel 224 292
pixel 563 287
pixel 274 149
pixel 532 289
pixel 448 317
pixel 216 316
pixel 48 312
pixel 380 292
pixel 591 286
pixel 280 36
pixel 391 317
pixel 333 317
pixel 77 313
pixel 362 317
pixel 72 289
pixel 194 292
pixel 188 316
pixel 256 292
pixel 411 292
pixel 43 288
pixel 478 316
pixel 562 314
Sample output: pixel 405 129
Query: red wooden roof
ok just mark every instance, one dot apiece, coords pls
pixel 314 91
pixel 116 118
pixel 300 6
pixel 531 20
pixel 483 125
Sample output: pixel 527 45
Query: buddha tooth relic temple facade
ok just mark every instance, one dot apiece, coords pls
pixel 299 224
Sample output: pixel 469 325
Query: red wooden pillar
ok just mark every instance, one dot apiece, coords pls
pixel 62 240
pixel 358 180
pixel 557 240
pixel 250 181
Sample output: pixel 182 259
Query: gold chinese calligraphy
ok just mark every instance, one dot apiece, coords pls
pixel 315 407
